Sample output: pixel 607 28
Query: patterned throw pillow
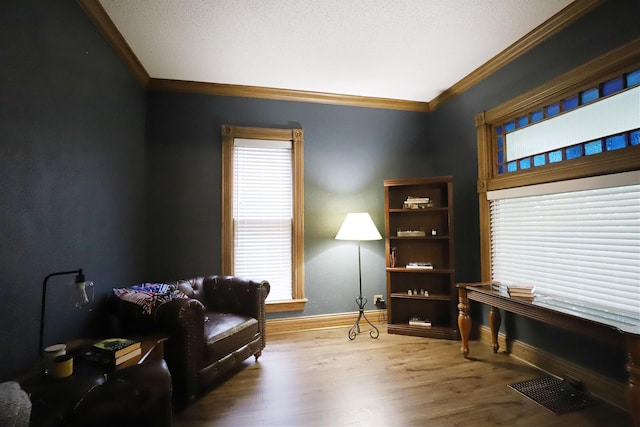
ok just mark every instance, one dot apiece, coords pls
pixel 149 295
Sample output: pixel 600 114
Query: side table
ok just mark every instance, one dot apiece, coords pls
pixel 137 392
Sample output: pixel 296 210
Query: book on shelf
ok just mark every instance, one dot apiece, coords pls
pixel 94 355
pixel 416 321
pixel 411 233
pixel 116 347
pixel 417 203
pixel 424 265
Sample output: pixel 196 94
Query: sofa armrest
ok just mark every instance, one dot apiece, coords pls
pixel 182 320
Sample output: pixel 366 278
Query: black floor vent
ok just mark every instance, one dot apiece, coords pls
pixel 554 394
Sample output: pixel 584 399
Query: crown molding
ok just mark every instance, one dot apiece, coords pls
pixel 551 26
pixel 107 28
pixel 105 25
pixel 286 95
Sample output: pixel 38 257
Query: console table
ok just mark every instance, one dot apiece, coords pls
pixel 604 325
pixel 135 392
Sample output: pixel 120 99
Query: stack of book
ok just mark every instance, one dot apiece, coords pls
pixel 417 203
pixel 521 290
pixel 113 351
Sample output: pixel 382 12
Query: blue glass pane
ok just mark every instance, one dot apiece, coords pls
pixel 555 156
pixel 616 142
pixel 589 95
pixel 552 110
pixel 523 121
pixel 525 163
pixel 633 78
pixel 512 167
pixel 635 137
pixel 536 116
pixel 593 147
pixel 612 86
pixel 498 130
pixel 508 127
pixel 570 103
pixel 501 169
pixel 573 152
pixel 500 156
pixel 539 160
pixel 499 141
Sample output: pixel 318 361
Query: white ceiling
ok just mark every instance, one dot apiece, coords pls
pixel 398 49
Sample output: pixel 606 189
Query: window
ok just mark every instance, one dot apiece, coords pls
pixel 577 240
pixel 560 135
pixel 262 211
pixel 593 121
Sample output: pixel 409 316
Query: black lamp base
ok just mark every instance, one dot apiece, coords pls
pixel 355 329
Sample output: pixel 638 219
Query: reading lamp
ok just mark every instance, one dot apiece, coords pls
pixel 84 296
pixel 359 226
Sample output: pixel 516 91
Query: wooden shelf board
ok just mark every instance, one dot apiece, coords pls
pixel 419 270
pixel 426 210
pixel 423 331
pixel 421 297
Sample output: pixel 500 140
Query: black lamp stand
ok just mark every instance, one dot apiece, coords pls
pixel 79 279
pixel 361 301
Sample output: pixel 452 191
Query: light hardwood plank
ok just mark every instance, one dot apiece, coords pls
pixel 321 378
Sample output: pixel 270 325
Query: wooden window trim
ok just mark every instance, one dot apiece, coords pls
pixel 296 136
pixel 625 58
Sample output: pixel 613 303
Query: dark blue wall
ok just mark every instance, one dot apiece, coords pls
pixel 71 171
pixel 348 153
pixel 80 189
pixel 454 139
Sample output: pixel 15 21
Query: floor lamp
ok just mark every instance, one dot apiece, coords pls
pixel 359 226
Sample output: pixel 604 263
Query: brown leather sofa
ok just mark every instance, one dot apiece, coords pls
pixel 211 333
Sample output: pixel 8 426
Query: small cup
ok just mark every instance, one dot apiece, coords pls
pixel 62 366
pixel 50 354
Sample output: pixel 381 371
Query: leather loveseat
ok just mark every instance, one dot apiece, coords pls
pixel 210 333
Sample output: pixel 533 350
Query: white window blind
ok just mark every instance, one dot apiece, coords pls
pixel 263 213
pixel 581 245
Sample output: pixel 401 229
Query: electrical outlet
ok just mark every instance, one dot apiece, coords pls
pixel 379 302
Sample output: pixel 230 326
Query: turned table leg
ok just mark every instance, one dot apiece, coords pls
pixel 633 368
pixel 464 320
pixel 494 323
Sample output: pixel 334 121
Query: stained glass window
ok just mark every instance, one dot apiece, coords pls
pixel 587 148
pixel 593 147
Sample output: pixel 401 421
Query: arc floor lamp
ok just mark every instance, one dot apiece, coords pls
pixel 358 227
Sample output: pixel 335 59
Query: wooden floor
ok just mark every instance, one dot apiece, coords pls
pixel 320 378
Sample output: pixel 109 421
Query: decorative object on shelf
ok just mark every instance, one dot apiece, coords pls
pixel 358 227
pixel 417 321
pixel 423 265
pixel 434 232
pixel 417 203
pixel 392 260
pixel 83 296
pixel 411 233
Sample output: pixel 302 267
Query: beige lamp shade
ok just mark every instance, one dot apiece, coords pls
pixel 358 226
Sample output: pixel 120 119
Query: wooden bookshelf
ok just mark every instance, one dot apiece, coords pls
pixel 426 239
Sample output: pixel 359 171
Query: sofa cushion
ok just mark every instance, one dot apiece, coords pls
pixel 226 332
